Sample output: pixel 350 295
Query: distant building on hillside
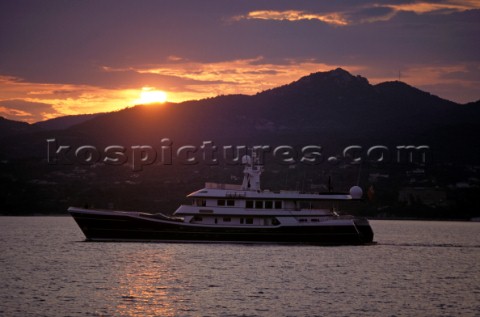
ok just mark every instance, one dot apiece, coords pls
pixel 432 197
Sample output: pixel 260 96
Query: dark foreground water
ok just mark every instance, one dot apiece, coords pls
pixel 416 269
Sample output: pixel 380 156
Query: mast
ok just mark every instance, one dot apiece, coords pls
pixel 251 173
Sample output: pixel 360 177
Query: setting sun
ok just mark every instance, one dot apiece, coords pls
pixel 148 95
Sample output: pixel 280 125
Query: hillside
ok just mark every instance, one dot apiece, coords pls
pixel 316 107
pixel 330 110
pixel 65 122
pixel 10 127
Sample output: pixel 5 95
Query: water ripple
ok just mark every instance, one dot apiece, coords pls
pixel 416 268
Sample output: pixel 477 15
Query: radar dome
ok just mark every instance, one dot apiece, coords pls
pixel 246 159
pixel 356 192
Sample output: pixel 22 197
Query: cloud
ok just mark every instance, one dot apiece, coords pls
pixel 97 56
pixel 423 7
pixel 447 80
pixel 370 14
pixel 443 80
pixel 242 76
pixel 294 15
pixel 361 12
pixel 63 99
pixel 22 110
pixel 194 80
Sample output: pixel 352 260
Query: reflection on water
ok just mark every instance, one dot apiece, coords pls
pixel 417 268
pixel 145 288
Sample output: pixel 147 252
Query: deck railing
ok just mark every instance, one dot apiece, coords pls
pixel 223 186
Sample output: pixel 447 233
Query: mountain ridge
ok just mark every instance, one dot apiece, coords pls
pixel 326 86
pixel 320 107
pixel 329 110
pixel 64 122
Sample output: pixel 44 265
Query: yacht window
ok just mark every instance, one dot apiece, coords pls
pixel 221 202
pixel 268 204
pixel 315 220
pixel 278 204
pixel 241 221
pixel 197 218
pixel 259 204
pixel 305 205
pixel 230 202
pixel 249 204
pixel 200 202
pixel 227 219
pixel 216 220
pixel 249 221
pixel 302 220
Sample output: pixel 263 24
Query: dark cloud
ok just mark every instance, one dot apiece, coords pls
pixel 371 14
pixel 70 42
pixel 93 75
pixel 450 91
pixel 470 73
pixel 21 110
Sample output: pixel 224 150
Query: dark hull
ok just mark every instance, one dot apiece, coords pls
pixel 124 227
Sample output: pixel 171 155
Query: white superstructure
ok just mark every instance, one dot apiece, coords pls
pixel 248 205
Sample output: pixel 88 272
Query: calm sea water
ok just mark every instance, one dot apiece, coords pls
pixel 416 269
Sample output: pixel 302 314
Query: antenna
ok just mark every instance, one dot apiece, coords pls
pixel 359 173
pixel 251 172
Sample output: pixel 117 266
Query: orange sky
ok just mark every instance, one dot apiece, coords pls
pixel 60 61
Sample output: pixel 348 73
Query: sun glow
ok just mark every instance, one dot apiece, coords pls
pixel 149 95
